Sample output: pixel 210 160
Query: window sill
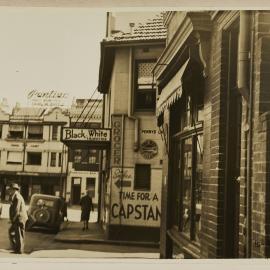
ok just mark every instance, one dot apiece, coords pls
pixel 190 247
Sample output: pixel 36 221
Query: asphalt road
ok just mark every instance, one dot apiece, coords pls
pixel 41 239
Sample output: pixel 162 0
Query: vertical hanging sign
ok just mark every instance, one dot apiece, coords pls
pixel 116 141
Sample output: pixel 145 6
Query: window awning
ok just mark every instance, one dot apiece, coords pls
pixel 172 91
pixel 16 127
pixel 15 157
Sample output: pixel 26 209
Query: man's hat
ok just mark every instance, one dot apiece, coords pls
pixel 14 186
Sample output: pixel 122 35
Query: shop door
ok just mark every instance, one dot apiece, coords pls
pixel 76 190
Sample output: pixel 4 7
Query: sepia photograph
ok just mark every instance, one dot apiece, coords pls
pixel 134 134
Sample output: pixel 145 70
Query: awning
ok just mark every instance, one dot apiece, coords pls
pixel 172 91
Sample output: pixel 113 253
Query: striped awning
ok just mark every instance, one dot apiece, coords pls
pixel 172 91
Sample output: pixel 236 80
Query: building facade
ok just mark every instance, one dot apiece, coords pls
pixel 31 151
pixel 213 105
pixel 132 167
pixel 83 166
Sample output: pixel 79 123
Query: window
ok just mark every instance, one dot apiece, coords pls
pixel 145 91
pixel 54 132
pixel 142 177
pixel 14 157
pixel 34 158
pixel 16 131
pixel 53 160
pixel 187 156
pixel 59 159
pixel 91 185
pixel 93 156
pixel 77 156
pixel 35 132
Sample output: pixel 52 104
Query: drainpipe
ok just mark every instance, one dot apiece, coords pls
pixel 244 84
pixel 130 104
pixel 244 54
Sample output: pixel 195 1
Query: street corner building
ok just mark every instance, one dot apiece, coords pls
pixel 213 106
pixel 31 153
pixel 132 168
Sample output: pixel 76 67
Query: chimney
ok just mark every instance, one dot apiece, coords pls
pixel 131 25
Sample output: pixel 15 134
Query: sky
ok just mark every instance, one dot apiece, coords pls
pixel 54 49
pixel 49 49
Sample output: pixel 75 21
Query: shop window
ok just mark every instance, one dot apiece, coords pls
pixel 145 90
pixel 34 158
pixel 53 160
pixel 16 131
pixel 186 124
pixel 14 157
pixel 35 132
pixel 54 132
pixel 91 185
pixel 59 159
pixel 142 177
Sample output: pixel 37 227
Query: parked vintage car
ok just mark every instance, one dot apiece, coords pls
pixel 45 211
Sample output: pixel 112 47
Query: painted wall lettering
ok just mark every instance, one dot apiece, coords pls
pixel 116 141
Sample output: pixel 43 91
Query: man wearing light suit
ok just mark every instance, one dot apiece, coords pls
pixel 18 217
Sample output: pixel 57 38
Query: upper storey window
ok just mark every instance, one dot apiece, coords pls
pixel 145 89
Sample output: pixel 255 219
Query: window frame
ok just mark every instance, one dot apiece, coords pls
pixel 55 134
pixel 53 158
pixel 136 86
pixel 139 188
pixel 40 135
pixel 29 152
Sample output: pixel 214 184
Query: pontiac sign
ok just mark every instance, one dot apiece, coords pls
pixel 85 135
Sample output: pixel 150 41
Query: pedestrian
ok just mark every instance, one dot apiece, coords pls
pixel 18 217
pixel 86 207
pixel 64 208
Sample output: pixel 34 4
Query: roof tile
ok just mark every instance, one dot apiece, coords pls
pixel 153 29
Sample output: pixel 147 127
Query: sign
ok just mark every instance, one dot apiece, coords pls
pixel 140 210
pixel 123 183
pixel 134 207
pixel 50 98
pixel 85 135
pixel 117 140
pixel 149 149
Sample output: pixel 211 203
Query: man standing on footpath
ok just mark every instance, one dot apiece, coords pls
pixel 18 217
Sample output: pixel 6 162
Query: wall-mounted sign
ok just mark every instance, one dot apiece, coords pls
pixel 85 135
pixel 149 149
pixel 116 141
pixel 50 98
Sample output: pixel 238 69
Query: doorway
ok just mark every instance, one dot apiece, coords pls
pixel 233 150
pixel 76 190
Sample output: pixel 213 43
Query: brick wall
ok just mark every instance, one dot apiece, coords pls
pixel 213 181
pixel 261 140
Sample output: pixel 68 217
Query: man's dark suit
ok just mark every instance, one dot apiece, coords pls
pixel 18 217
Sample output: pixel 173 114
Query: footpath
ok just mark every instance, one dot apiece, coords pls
pixel 71 232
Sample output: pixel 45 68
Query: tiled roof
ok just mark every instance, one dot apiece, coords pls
pixel 153 29
pixel 28 111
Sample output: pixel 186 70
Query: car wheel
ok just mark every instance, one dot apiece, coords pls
pixel 42 215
